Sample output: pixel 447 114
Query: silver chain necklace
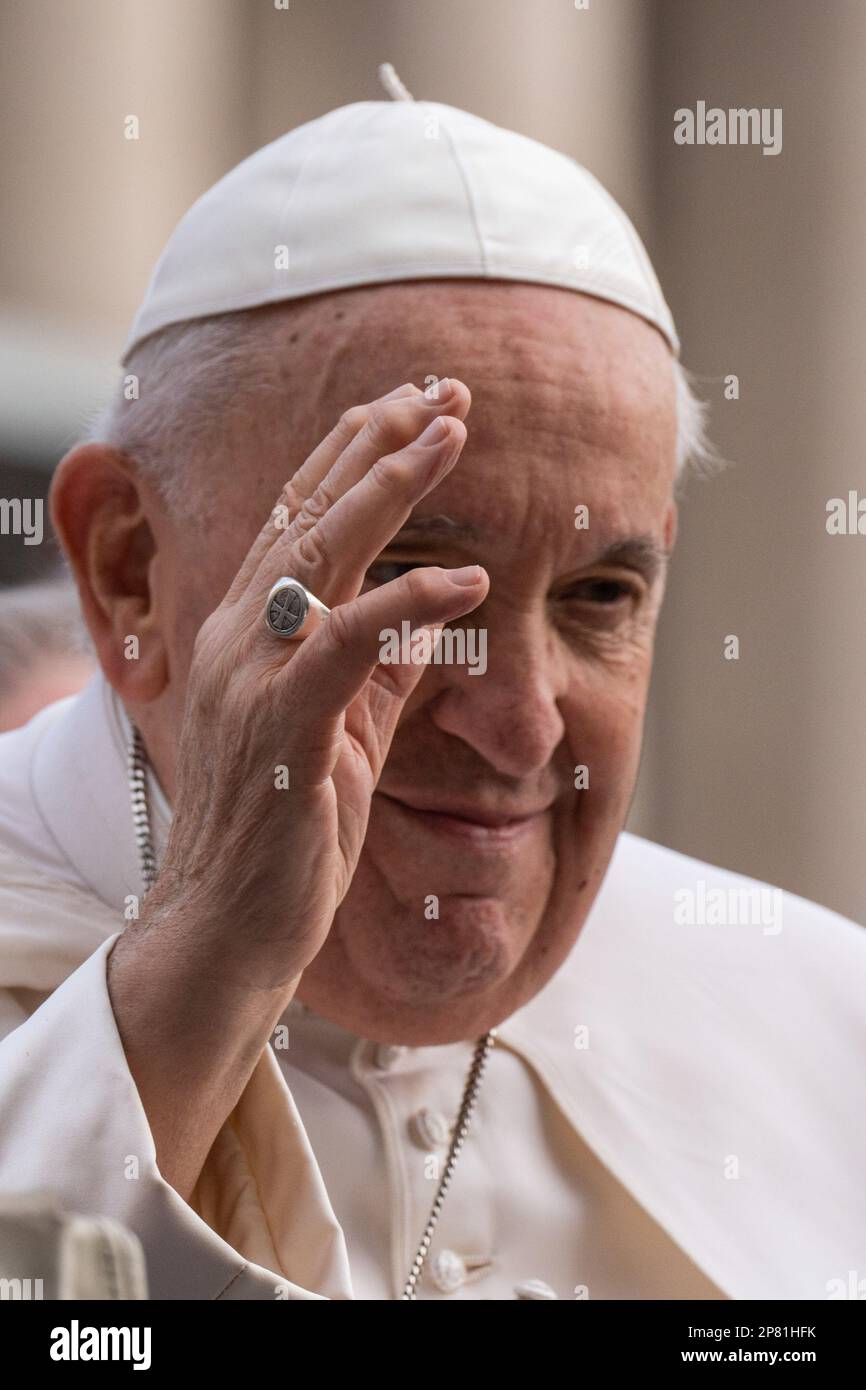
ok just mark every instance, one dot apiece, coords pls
pixel 137 765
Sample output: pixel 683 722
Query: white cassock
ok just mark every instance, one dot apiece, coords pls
pixel 679 1113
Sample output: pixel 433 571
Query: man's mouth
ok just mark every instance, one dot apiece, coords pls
pixel 472 821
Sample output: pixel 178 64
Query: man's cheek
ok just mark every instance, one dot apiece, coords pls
pixel 604 738
pixel 612 681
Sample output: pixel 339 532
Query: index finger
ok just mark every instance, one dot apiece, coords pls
pixel 304 482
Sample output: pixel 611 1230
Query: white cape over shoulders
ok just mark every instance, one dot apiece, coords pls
pixel 715 1070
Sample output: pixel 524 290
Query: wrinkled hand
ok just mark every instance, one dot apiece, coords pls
pixel 260 868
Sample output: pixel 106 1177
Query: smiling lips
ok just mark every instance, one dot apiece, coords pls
pixel 472 822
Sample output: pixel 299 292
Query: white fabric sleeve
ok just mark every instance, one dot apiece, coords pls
pixel 260 1223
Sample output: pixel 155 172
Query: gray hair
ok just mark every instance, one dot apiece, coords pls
pixel 192 369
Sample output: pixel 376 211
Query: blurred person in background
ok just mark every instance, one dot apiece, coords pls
pixel 43 648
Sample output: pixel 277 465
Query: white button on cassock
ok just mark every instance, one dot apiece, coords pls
pixel 429 1129
pixel 448 1271
pixel 534 1288
pixel 388 1054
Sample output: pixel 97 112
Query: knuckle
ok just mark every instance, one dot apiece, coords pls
pixel 290 497
pixel 316 505
pixel 424 585
pixel 311 512
pixel 342 627
pixel 312 549
pixel 302 523
pixel 352 420
pixel 387 422
pixel 386 471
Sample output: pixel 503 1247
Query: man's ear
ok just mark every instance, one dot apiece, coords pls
pixel 98 510
pixel 671 522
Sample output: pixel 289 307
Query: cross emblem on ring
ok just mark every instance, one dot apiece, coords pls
pixel 284 614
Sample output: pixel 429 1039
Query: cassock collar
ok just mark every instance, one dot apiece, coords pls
pixel 80 784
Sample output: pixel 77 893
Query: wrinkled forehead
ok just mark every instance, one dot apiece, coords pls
pixel 542 363
pixel 573 402
pixel 573 398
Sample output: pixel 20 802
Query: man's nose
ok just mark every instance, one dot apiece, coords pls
pixel 509 713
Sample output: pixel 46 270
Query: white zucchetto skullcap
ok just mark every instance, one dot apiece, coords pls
pixel 382 191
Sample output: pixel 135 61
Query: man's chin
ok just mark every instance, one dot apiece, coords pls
pixel 459 946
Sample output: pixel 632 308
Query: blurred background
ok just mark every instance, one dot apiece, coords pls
pixel 757 764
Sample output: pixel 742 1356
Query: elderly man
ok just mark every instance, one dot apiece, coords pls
pixel 369 995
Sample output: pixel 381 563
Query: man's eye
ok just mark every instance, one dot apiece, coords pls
pixel 601 591
pixel 383 571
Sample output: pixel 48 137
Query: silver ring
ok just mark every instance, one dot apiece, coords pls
pixel 292 611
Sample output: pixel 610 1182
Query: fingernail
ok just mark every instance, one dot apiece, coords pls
pixel 469 574
pixel 439 391
pixel 434 433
